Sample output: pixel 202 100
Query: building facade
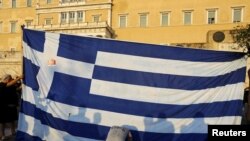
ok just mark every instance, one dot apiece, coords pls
pixel 78 17
pixel 194 23
pixel 13 13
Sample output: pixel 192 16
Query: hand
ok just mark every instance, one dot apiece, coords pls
pixel 20 77
pixel 248 72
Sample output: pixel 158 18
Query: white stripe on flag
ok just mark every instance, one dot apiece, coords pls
pixel 167 66
pixel 63 111
pixel 77 68
pixel 31 54
pixel 34 127
pixel 164 95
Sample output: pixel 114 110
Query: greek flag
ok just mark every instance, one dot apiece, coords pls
pixel 76 88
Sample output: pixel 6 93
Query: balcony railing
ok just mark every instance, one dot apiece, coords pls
pixel 80 25
pixel 71 2
pixel 6 56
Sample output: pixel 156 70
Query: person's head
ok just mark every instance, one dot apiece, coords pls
pixel 6 78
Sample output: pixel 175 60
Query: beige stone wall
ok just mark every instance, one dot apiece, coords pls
pixel 43 3
pixel 53 16
pixel 20 15
pixel 10 63
pixel 176 32
pixel 103 13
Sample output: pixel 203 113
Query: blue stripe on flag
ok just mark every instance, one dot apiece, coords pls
pixel 21 136
pixel 166 52
pixel 215 109
pixel 86 130
pixel 81 98
pixel 84 49
pixel 68 88
pixel 77 48
pixel 100 132
pixel 35 39
pixel 165 80
pixel 30 73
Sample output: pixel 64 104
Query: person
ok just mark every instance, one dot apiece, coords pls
pixel 245 103
pixel 5 106
pixel 117 133
pixel 248 102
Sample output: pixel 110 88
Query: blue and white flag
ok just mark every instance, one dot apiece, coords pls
pixel 76 88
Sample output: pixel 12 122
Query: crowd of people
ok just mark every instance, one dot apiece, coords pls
pixel 10 93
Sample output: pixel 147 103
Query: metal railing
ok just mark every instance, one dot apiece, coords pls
pixel 70 25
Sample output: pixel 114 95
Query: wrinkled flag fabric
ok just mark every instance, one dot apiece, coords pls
pixel 75 88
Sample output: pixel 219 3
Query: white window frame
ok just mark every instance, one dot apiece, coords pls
pixel 1 3
pixel 161 17
pixel 13 5
pixel 146 20
pixel 28 22
pixel 191 17
pixel 64 1
pixel 215 15
pixel 72 16
pixel 13 25
pixel 80 19
pixel 98 17
pixel 125 18
pixel 61 17
pixel 12 49
pixel 46 21
pixel 28 3
pixel 72 1
pixel 241 8
pixel 1 26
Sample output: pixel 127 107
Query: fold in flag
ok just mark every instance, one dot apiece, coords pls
pixel 76 88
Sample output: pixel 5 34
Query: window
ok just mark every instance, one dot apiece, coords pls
pixel 12 49
pixel 187 17
pixel 28 23
pixel 29 3
pixel 123 21
pixel 49 1
pixel 13 3
pixel 1 26
pixel 211 16
pixel 79 16
pixel 71 17
pixel 48 21
pixel 64 1
pixel 164 18
pixel 63 17
pixel 237 15
pixel 143 20
pixel 96 18
pixel 12 27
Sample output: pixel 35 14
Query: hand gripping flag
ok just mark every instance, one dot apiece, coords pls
pixel 76 88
